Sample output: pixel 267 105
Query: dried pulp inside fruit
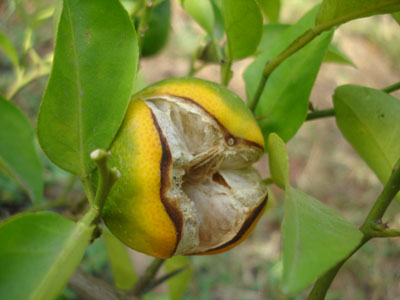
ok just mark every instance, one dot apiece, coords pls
pixel 209 186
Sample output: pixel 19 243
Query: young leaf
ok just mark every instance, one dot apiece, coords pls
pixel 315 238
pixel 9 49
pixel 38 254
pixel 18 157
pixel 336 12
pixel 284 100
pixel 122 267
pixel 278 160
pixel 369 120
pixel 271 9
pixel 156 36
pixel 179 283
pixel 202 12
pixel 90 84
pixel 243 25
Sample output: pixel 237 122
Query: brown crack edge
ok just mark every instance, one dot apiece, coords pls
pixel 227 134
pixel 165 167
pixel 246 226
pixel 166 164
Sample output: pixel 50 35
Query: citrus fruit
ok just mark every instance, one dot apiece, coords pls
pixel 185 153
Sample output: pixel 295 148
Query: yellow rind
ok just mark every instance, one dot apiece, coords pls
pixel 134 211
pixel 225 106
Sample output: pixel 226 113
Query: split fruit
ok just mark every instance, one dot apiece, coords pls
pixel 185 152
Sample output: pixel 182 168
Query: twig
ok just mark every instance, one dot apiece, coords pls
pixel 164 278
pixel 226 72
pixel 26 78
pixel 147 279
pixel 303 40
pixel 88 189
pixel 270 66
pixel 369 229
pixel 376 213
pixel 392 88
pixel 144 22
pixel 318 114
pixel 89 287
pixel 331 112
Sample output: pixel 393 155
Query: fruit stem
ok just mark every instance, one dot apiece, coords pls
pixel 372 227
pixel 107 177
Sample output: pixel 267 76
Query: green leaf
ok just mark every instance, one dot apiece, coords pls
pixel 56 17
pixel 122 267
pixel 38 254
pixel 282 36
pixel 156 36
pixel 334 55
pixel 18 157
pixel 219 29
pixel 315 238
pixel 272 34
pixel 179 283
pixel 96 259
pixel 202 12
pixel 396 17
pixel 243 25
pixel 369 120
pixel 284 100
pixel 90 83
pixel 278 160
pixel 336 12
pixel 9 50
pixel 271 9
pixel 140 81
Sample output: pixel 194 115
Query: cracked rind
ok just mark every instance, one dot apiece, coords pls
pixel 217 187
pixel 149 208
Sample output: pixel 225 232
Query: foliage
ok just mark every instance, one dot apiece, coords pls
pixel 98 45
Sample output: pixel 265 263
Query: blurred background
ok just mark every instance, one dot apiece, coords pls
pixel 322 163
